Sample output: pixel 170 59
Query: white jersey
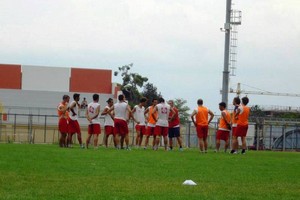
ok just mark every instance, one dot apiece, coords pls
pixel 91 109
pixel 108 120
pixel 163 114
pixel 120 110
pixel 139 115
pixel 75 109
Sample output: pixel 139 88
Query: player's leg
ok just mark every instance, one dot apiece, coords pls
pixel 244 145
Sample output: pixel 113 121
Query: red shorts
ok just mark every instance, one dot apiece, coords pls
pixel 161 131
pixel 63 125
pixel 241 131
pixel 140 129
pixel 222 135
pixel 121 127
pixel 150 131
pixel 202 131
pixel 233 130
pixel 74 126
pixel 109 130
pixel 94 129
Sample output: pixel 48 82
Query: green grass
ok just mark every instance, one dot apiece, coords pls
pixel 49 172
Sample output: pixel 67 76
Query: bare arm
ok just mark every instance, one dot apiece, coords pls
pixel 211 114
pixel 224 117
pixel 193 117
pixel 72 108
pixel 153 113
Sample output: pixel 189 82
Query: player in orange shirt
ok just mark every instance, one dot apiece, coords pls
pixel 241 116
pixel 201 121
pixel 224 127
pixel 151 123
pixel 63 115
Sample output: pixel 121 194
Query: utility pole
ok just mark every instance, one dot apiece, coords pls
pixel 225 86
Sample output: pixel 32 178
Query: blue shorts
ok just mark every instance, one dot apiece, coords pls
pixel 174 132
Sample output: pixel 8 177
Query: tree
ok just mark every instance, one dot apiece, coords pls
pixel 150 92
pixel 179 103
pixel 131 83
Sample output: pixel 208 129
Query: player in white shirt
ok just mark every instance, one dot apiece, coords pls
pixel 162 123
pixel 109 122
pixel 138 115
pixel 73 121
pixel 92 115
pixel 122 114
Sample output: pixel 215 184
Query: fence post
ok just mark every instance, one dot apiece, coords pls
pixel 283 141
pixel 271 136
pixel 29 128
pixel 45 128
pixel 15 127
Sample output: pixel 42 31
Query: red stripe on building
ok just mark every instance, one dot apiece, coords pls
pixel 10 76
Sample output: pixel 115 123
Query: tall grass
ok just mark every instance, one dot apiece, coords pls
pixel 50 172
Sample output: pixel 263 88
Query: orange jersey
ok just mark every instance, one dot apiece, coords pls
pixel 243 116
pixel 202 116
pixel 150 118
pixel 62 114
pixel 222 124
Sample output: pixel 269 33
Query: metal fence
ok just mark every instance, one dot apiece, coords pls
pixel 263 133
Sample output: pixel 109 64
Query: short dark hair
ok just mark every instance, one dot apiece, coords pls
pixel 65 97
pixel 95 97
pixel 121 97
pixel 245 100
pixel 161 100
pixel 223 104
pixel 154 99
pixel 109 100
pixel 76 95
pixel 200 102
pixel 237 100
pixel 143 99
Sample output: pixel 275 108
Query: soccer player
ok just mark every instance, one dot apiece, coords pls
pixel 92 115
pixel 201 123
pixel 241 116
pixel 236 102
pixel 63 115
pixel 224 127
pixel 151 123
pixel 73 121
pixel 162 124
pixel 138 115
pixel 109 122
pixel 174 127
pixel 122 114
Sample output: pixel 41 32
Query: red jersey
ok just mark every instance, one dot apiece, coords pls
pixel 175 122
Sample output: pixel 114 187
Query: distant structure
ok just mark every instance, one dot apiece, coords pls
pixel 233 19
pixel 42 87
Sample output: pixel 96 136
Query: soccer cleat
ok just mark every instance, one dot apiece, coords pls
pixel 128 149
pixel 181 149
pixel 243 152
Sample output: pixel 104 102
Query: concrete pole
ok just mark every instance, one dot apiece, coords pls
pixel 225 86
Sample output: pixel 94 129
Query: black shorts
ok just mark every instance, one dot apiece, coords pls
pixel 174 132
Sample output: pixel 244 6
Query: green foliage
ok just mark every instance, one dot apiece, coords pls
pixel 150 92
pixel 48 172
pixel 132 82
pixel 256 111
pixel 182 110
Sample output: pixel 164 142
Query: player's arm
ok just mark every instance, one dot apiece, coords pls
pixel 132 115
pixel 129 113
pixel 105 111
pixel 72 108
pixel 87 115
pixel 211 116
pixel 145 114
pixel 193 117
pixel 238 111
pixel 110 112
pixel 173 113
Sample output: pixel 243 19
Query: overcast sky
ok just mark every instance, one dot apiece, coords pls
pixel 177 44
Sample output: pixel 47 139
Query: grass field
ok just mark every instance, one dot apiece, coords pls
pixel 49 172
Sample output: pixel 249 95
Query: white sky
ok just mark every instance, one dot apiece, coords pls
pixel 177 44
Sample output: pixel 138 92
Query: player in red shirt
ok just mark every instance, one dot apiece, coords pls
pixel 174 127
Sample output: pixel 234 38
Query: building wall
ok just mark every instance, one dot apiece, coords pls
pixel 10 76
pixel 91 80
pixel 45 78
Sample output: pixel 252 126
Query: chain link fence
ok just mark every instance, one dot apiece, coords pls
pixel 36 126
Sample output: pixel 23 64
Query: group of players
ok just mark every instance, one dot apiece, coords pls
pixel 160 120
